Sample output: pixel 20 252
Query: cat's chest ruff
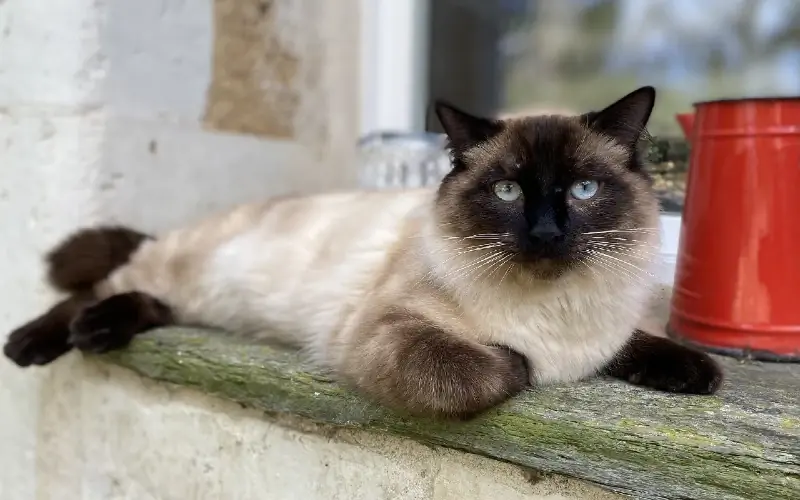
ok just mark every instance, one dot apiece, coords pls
pixel 567 333
pixel 557 313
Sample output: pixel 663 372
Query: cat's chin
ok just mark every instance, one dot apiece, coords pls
pixel 546 269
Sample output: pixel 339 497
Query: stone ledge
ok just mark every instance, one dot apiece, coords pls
pixel 742 444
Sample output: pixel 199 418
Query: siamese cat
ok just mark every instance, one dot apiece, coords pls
pixel 531 263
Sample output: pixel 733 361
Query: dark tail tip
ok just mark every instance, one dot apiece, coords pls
pixel 90 255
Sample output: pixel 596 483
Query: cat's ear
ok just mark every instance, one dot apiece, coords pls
pixel 626 119
pixel 463 129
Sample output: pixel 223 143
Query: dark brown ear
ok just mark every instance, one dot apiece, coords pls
pixel 626 119
pixel 463 129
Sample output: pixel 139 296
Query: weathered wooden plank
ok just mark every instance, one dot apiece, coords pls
pixel 742 444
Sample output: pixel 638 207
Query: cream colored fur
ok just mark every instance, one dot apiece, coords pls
pixel 314 270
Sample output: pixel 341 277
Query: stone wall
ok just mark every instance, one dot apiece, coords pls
pixel 139 440
pixel 149 113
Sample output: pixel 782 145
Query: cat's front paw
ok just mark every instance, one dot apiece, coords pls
pixel 678 370
pixel 519 365
pixel 665 365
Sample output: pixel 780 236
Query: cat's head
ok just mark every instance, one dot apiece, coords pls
pixel 553 191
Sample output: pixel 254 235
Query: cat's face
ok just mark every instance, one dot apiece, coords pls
pixel 552 190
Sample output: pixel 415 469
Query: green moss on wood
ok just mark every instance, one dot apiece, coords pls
pixel 741 444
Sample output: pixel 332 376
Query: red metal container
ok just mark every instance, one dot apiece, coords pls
pixel 686 121
pixel 737 283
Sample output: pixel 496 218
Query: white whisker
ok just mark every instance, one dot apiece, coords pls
pixel 482 268
pixel 626 263
pixel 597 261
pixel 473 263
pixel 627 252
pixel 510 267
pixel 646 230
pixel 506 257
pixel 614 270
pixel 591 269
pixel 626 268
pixel 632 246
pixel 483 246
pixel 497 262
pixel 616 244
pixel 478 237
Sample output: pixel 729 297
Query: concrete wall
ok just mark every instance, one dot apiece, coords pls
pixel 139 440
pixel 150 113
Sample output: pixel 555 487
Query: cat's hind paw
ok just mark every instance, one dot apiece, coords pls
pixel 113 322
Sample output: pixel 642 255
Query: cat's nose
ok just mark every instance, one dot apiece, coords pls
pixel 546 231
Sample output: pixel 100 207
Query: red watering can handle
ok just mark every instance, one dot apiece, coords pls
pixel 686 121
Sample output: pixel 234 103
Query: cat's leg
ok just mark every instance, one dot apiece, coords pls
pixel 665 365
pixel 75 265
pixel 45 338
pixel 81 321
pixel 113 322
pixel 405 362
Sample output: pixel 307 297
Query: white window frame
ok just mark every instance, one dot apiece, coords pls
pixel 670 239
pixel 394 77
pixel 394 65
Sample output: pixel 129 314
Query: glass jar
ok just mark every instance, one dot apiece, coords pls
pixel 390 160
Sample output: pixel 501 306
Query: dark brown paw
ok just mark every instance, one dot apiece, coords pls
pixel 424 370
pixel 683 371
pixel 664 365
pixel 44 339
pixel 37 344
pixel 113 322
pixel 520 369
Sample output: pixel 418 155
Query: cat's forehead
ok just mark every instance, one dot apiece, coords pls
pixel 549 144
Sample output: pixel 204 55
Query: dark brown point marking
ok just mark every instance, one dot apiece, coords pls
pixel 79 321
pixel 77 264
pixel 46 338
pixel 665 365
pixel 426 371
pixel 90 255
pixel 113 322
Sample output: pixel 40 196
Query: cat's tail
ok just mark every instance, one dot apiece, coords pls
pixel 90 255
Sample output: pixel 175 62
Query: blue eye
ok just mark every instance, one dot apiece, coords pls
pixel 583 190
pixel 507 190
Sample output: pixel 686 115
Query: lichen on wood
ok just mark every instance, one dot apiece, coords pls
pixel 743 443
